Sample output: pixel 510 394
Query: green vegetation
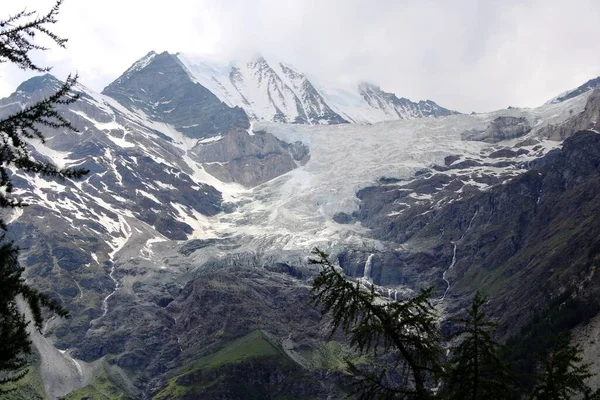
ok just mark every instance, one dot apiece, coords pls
pixel 102 388
pixel 30 387
pixel 328 356
pixel 235 369
pixel 474 369
pixel 252 345
pixel 537 338
pixel 401 336
pixel 400 340
pixel 563 375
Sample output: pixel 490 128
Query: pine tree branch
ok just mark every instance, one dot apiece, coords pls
pixel 17 37
pixel 407 327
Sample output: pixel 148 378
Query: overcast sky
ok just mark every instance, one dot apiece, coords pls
pixel 464 54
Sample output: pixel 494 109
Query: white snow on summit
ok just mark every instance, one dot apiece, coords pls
pixel 273 91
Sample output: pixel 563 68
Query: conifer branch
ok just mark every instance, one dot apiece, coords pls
pixel 17 34
pixel 407 329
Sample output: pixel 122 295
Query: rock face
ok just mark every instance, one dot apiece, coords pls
pixel 507 239
pixel 317 110
pixel 222 302
pixel 249 159
pixel 401 108
pixel 502 128
pixel 588 119
pixel 159 85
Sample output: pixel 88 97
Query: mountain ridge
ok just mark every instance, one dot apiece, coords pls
pixel 278 92
pixel 569 94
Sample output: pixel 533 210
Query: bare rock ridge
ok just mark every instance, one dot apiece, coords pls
pixel 402 107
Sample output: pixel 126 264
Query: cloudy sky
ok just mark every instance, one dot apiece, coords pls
pixel 464 54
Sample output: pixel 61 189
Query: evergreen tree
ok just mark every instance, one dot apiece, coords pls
pixel 398 344
pixel 402 335
pixel 17 40
pixel 15 342
pixel 474 370
pixel 563 376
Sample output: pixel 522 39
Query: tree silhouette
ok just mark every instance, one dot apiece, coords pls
pixel 402 336
pixel 474 370
pixel 17 41
pixel 563 375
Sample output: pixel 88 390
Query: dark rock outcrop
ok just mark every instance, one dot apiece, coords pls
pixel 500 129
pixel 249 159
pixel 159 85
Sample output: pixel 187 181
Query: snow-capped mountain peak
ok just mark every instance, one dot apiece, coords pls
pixel 569 94
pixel 274 91
pixel 402 108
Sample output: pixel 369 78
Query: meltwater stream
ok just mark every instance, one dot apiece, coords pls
pixel 453 262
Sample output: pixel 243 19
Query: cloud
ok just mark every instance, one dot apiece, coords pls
pixel 465 54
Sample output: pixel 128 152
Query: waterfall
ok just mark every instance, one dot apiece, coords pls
pixel 368 266
pixel 454 255
pixel 446 271
pixel 105 301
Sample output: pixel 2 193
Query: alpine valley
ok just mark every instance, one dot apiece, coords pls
pixel 182 256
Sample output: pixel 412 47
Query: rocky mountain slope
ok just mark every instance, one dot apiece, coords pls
pixel 536 227
pixel 146 186
pixel 276 92
pixel 185 248
pixel 159 85
pixel 569 94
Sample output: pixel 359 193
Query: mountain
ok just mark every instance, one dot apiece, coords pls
pixel 146 184
pixel 518 231
pixel 569 94
pixel 182 256
pixel 274 91
pixel 399 108
pixel 159 85
pixel 265 91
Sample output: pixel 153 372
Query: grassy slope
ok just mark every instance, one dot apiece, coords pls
pixel 31 387
pixel 254 352
pixel 253 345
pixel 102 388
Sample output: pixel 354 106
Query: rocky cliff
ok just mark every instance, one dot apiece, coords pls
pixel 522 240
